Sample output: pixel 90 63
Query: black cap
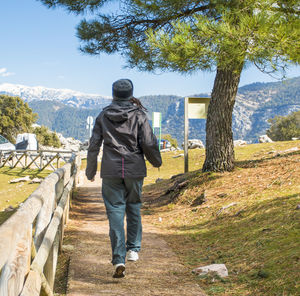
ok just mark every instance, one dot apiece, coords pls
pixel 122 89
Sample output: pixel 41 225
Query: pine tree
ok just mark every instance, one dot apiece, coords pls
pixel 191 35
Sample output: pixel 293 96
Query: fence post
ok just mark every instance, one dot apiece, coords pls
pixel 17 266
pixel 50 265
pixel 17 245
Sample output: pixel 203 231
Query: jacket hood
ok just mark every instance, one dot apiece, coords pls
pixel 119 112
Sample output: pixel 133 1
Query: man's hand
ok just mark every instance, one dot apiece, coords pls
pixel 92 180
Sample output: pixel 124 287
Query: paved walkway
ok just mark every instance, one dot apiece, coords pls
pixel 158 271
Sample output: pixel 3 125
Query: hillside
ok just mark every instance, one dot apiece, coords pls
pixel 247 219
pixel 255 104
pixel 264 101
pixel 69 121
pixel 66 111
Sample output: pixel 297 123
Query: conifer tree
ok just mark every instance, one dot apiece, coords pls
pixel 190 35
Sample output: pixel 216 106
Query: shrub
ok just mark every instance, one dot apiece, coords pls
pixel 46 137
pixel 284 128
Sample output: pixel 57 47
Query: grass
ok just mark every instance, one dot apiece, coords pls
pixel 171 166
pixel 257 237
pixel 15 193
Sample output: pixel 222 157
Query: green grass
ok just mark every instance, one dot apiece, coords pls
pixel 171 166
pixel 257 238
pixel 15 193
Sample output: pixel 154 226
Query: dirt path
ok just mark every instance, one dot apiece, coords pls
pixel 158 271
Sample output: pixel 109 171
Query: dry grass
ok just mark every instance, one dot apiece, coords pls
pixel 257 237
pixel 15 193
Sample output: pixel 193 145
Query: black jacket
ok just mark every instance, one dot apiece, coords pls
pixel 127 136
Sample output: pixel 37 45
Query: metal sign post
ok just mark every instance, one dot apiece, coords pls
pixel 186 135
pixel 156 123
pixel 89 125
pixel 194 108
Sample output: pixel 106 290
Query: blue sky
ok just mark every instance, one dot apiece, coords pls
pixel 39 47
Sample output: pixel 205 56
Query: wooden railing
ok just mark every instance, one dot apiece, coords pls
pixel 31 238
pixel 39 159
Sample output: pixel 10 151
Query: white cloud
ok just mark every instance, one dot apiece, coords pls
pixel 5 73
pixel 61 77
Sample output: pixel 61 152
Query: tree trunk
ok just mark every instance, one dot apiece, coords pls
pixel 219 139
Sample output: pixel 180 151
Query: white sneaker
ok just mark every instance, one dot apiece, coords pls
pixel 132 256
pixel 119 270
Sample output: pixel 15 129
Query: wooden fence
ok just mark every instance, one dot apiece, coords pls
pixel 39 159
pixel 31 238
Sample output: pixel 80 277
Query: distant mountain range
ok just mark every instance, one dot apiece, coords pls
pixel 67 97
pixel 66 111
pixel 255 104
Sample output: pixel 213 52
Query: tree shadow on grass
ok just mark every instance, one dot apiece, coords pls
pixel 5 215
pixel 19 172
pixel 253 163
pixel 263 240
pixel 262 211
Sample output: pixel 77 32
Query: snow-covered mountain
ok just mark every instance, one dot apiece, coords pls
pixel 65 96
pixel 255 104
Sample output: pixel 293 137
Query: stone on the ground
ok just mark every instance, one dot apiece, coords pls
pixel 23 179
pixel 36 180
pixel 265 139
pixel 298 207
pixel 293 149
pixel 195 143
pixel 295 139
pixel 239 143
pixel 67 248
pixel 69 143
pixel 226 207
pixel 220 269
pixel 222 195
pixel 158 180
pixel 9 209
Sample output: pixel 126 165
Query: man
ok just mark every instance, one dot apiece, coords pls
pixel 127 136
